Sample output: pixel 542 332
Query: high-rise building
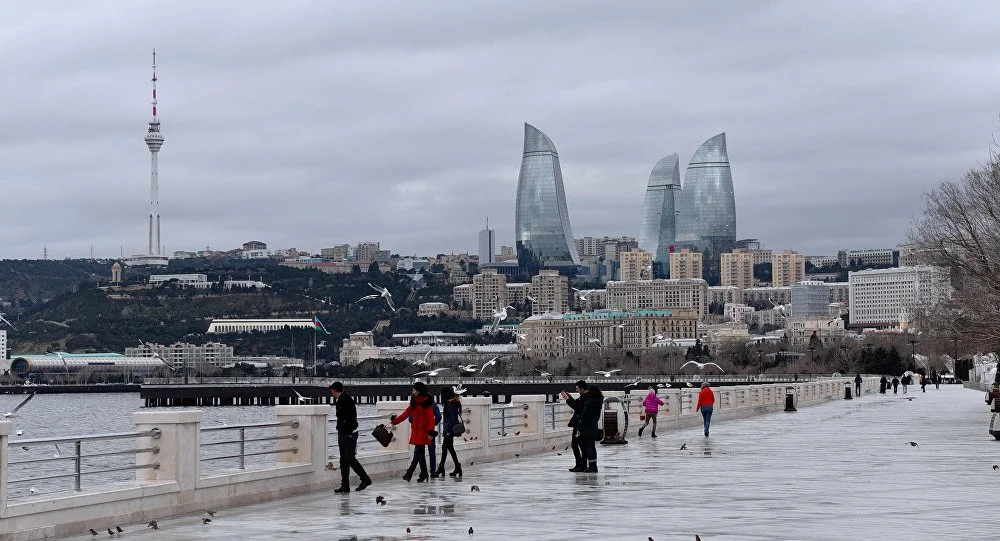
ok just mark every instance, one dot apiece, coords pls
pixel 810 298
pixel 489 292
pixel 154 140
pixel 686 263
pixel 542 230
pixel 658 225
pixel 736 268
pixel 636 265
pixel 487 245
pixel 787 268
pixel 366 251
pixel 890 297
pixel 706 217
pixel 550 292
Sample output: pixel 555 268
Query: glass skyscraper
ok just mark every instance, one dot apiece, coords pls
pixel 541 220
pixel 707 205
pixel 657 229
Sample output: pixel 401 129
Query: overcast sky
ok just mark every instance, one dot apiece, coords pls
pixel 309 124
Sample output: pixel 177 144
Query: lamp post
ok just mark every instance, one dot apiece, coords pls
pixel 913 350
pixel 843 354
pixel 954 339
pixel 760 359
pixel 812 358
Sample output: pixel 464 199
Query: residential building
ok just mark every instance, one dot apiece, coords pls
pixel 340 252
pixel 800 330
pixel 506 253
pixel 686 263
pixel 366 251
pixel 550 291
pixel 554 335
pixel 877 257
pixel 542 230
pixel 517 293
pixel 457 275
pixel 263 325
pixel 181 354
pixel 768 295
pixel 724 294
pixel 787 268
pixel 635 265
pixel 889 297
pixel 334 267
pixel 462 295
pixel 821 261
pixel 658 294
pixel 657 225
pixel 714 337
pixel 489 292
pixel 736 268
pixel 810 299
pixel 706 218
pixel 607 247
pixel 840 292
pixel 736 312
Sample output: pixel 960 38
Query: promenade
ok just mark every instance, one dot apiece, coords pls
pixel 839 470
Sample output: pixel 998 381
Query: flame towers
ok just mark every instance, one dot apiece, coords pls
pixel 154 140
pixel 707 205
pixel 657 230
pixel 541 220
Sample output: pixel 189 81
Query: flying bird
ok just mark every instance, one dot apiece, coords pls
pixel 13 412
pixel 543 373
pixel 701 366
pixel 468 368
pixel 530 298
pixel 607 373
pixel 581 294
pixel 560 337
pixel 913 444
pixel 683 447
pixel 490 362
pixel 459 390
pixel 431 373
pixel 634 383
pixel 302 399
pixel 499 315
pixel 592 340
pixel 367 298
pixel 384 293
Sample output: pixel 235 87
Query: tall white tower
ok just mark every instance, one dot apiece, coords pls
pixel 154 140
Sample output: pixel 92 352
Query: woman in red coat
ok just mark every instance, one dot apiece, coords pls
pixel 421 411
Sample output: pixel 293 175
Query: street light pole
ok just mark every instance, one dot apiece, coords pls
pixel 913 350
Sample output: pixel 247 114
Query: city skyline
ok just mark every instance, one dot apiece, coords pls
pixel 405 119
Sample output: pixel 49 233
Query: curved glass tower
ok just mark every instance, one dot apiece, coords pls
pixel 707 217
pixel 541 220
pixel 657 230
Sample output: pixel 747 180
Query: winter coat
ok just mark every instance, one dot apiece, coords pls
pixel 590 415
pixel 347 414
pixel 705 398
pixel 652 402
pixel 421 409
pixel 577 405
pixel 452 411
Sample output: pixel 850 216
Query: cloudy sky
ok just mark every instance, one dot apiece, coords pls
pixel 308 124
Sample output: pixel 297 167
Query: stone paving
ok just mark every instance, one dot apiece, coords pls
pixel 841 470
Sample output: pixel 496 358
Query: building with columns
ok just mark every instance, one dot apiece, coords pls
pixel 659 294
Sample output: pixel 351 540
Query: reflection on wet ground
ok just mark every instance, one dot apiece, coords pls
pixel 842 470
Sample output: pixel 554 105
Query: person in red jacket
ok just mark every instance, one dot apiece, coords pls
pixel 421 410
pixel 706 401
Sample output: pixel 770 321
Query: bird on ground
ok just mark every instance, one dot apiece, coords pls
pixel 471 531
pixel 913 444
pixel 153 524
pixel 490 362
pixel 119 529
pixel 206 520
pixel 14 411
pixel 701 366
pixel 210 512
pixel 474 488
pixel 93 531
pixel 32 490
pixel 379 500
pixel 683 447
pixel 432 373
pixel 111 532
pixel 384 293
pixel 592 340
pixel 302 399
pixel 996 467
pixel 19 433
pixel 607 373
pixel 910 398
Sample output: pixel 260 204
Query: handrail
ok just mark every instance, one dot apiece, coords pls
pixel 294 423
pixel 153 433
pixel 243 440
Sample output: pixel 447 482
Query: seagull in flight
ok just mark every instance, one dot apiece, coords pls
pixel 459 390
pixel 560 337
pixel 634 383
pixel 607 373
pixel 490 362
pixel 521 336
pixel 384 293
pixel 701 366
pixel 582 294
pixel 499 315
pixel 592 340
pixel 530 298
pixel 543 373
pixel 367 298
pixel 302 399
pixel 432 373
pixel 468 368
pixel 13 412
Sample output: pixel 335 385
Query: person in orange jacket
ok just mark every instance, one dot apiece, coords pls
pixel 421 410
pixel 706 401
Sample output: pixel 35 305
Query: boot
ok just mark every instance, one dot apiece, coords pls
pixel 591 466
pixel 423 477
pixel 439 472
pixel 653 434
pixel 640 431
pixel 409 473
pixel 581 466
pixel 458 471
pixel 343 488
pixel 365 483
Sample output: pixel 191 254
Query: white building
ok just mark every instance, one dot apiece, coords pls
pixel 199 281
pixel 262 325
pixel 877 257
pixel 810 298
pixel 4 362
pixel 659 294
pixel 884 297
pixel 487 245
pixel 428 309
pixel 737 312
pixel 180 354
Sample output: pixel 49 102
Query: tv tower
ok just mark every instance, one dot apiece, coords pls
pixel 154 140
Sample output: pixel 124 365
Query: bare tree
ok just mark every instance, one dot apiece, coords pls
pixel 960 230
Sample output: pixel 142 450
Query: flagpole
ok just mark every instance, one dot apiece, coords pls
pixel 314 345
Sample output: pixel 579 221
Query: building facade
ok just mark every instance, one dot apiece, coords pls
pixel 340 252
pixel 487 245
pixel 810 299
pixel 736 268
pixel 542 231
pixel 768 295
pixel 461 295
pixel 220 326
pixel 686 263
pixel 489 292
pixel 736 312
pixel 550 292
pixel 181 354
pixel 787 268
pixel 658 294
pixel 551 335
pixel 889 297
pixel 635 265
pixel 198 281
pixel 428 309
pixel 724 294
pixel 658 221
pixel 877 257
pixel 358 347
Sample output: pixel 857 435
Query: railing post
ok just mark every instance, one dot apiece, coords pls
pixel 476 413
pixel 310 435
pixel 532 419
pixel 179 443
pixel 6 429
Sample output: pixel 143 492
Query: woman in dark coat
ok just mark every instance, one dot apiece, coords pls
pixel 452 406
pixel 882 384
pixel 421 410
pixel 590 416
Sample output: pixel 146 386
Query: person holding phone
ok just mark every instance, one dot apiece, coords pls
pixel 576 404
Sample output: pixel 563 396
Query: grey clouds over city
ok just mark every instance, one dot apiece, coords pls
pixel 309 124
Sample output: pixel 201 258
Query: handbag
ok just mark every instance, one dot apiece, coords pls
pixel 383 435
pixel 458 428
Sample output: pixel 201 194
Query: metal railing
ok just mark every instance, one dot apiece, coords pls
pixel 557 414
pixel 243 440
pixel 366 423
pixel 506 417
pixel 453 380
pixel 78 457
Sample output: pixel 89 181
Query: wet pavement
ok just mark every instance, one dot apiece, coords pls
pixel 841 470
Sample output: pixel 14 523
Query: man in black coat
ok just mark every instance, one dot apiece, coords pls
pixel 347 439
pixel 577 405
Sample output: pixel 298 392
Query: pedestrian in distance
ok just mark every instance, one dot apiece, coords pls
pixel 923 383
pixel 895 385
pixel 576 404
pixel 452 405
pixel 651 404
pixel 432 448
pixel 906 381
pixel 347 439
pixel 857 384
pixel 590 433
pixel 936 379
pixel 705 405
pixel 421 409
pixel 882 384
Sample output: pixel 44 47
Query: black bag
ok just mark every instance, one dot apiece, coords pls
pixel 383 435
pixel 458 428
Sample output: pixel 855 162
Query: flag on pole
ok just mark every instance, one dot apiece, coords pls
pixel 318 325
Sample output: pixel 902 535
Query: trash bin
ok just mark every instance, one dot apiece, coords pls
pixel 790 399
pixel 847 391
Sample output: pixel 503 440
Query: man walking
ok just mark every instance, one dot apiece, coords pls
pixel 857 384
pixel 347 439
pixel 576 404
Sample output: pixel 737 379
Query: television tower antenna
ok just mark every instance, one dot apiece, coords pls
pixel 154 140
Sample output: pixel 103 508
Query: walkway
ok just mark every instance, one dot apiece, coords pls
pixel 841 470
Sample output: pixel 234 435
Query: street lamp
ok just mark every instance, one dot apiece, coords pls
pixel 955 340
pixel 760 359
pixel 812 358
pixel 843 354
pixel 913 350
